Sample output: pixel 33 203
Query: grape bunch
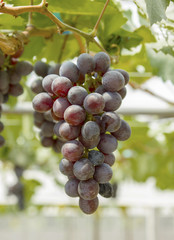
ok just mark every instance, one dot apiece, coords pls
pixel 11 72
pixel 83 99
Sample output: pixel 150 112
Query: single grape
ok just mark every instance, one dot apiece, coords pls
pixel 109 159
pixel 59 106
pixel 113 81
pixel 103 173
pixel 2 141
pixel 76 95
pixel 88 206
pixel 94 103
pixel 47 82
pixel 57 145
pixel 48 116
pixel 47 141
pixel 24 68
pixel 125 75
pixel 36 86
pixel 122 92
pixel 47 129
pixel 85 63
pixel 41 68
pixel 1 126
pixel 96 157
pixel 66 167
pixel 72 150
pixel 69 70
pixel 124 132
pixel 68 131
pixel 5 90
pixel 75 115
pixel 105 190
pixel 14 77
pixel 83 169
pixel 54 117
pixel 110 121
pixel 71 187
pixel 89 144
pixel 112 100
pixel 1 98
pixel 42 102
pixel 88 189
pixel 15 90
pixel 100 89
pixel 56 129
pixel 54 69
pixel 5 97
pixel 60 86
pixel 4 80
pixel 107 143
pixel 102 62
pixel 38 117
pixel 90 131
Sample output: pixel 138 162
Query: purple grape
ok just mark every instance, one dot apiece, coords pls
pixel 125 75
pixel 60 86
pixel 47 82
pixel 88 189
pixel 57 146
pixel 107 144
pixel 59 106
pixel 69 70
pixel 100 90
pixel 71 187
pixel 42 102
pixel 96 157
pixel 15 90
pixel 109 159
pixel 47 129
pixel 102 62
pixel 1 126
pixel 112 100
pixel 38 117
pixel 54 69
pixel 110 121
pixel 89 144
pixel 24 68
pixel 41 68
pixel 68 131
pixel 47 141
pixel 113 81
pixel 103 173
pixel 14 77
pixel 72 150
pixel 123 133
pixel 94 103
pixel 122 92
pixel 85 63
pixel 90 131
pixel 4 80
pixel 2 141
pixel 88 206
pixel 56 129
pixel 83 169
pixel 2 58
pixel 48 116
pixel 76 95
pixel 36 86
pixel 75 115
pixel 106 190
pixel 66 167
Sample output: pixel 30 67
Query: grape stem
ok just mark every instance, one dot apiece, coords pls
pixel 62 48
pixel 94 31
pixel 30 15
pixel 43 9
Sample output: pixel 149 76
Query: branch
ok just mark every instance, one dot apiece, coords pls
pixel 94 31
pixel 137 86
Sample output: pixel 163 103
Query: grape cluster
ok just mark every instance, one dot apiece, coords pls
pixel 11 72
pixel 83 98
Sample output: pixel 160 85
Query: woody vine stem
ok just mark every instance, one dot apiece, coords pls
pixel 61 27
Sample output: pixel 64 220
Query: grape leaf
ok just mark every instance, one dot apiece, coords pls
pixel 156 10
pixel 167 50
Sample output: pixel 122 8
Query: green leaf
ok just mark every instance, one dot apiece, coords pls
pixel 167 50
pixel 11 23
pixel 146 34
pixel 156 10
